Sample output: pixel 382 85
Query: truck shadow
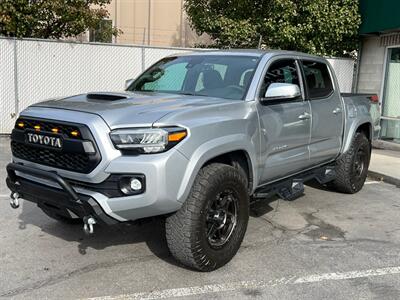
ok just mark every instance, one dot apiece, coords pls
pixel 316 185
pixel 149 231
pixel 260 207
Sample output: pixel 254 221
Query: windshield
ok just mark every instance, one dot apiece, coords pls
pixel 207 75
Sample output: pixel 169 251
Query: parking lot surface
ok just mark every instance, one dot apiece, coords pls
pixel 324 245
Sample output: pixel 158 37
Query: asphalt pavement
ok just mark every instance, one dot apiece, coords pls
pixel 324 245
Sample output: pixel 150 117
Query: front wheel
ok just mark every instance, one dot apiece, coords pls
pixel 352 167
pixel 208 230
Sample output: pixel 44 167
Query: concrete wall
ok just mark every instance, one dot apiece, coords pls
pixel 372 66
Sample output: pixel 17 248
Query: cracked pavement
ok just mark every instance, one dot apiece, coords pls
pixel 321 232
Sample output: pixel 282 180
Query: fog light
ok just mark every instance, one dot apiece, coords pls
pixel 136 185
pixel 132 185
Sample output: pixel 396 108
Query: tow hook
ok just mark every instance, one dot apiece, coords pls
pixel 14 201
pixel 88 223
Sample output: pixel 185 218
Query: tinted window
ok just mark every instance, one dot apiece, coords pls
pixel 281 71
pixel 318 79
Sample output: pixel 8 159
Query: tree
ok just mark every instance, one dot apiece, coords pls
pixel 323 27
pixel 52 19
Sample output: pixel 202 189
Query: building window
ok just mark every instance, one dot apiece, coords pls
pixel 391 98
pixel 102 34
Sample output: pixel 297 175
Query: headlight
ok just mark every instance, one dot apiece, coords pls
pixel 151 140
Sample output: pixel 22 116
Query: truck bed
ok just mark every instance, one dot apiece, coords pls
pixel 370 102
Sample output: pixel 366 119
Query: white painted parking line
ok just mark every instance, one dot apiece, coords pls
pixel 348 275
pixel 253 284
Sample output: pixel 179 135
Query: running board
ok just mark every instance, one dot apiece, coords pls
pixel 292 188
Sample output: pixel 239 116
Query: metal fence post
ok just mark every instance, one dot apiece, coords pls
pixel 143 59
pixel 16 104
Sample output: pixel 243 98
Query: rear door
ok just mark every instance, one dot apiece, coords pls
pixel 326 109
pixel 285 124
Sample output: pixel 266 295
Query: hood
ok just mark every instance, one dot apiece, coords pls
pixel 126 108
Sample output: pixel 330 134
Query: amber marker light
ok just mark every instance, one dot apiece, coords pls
pixel 74 133
pixel 37 127
pixel 21 124
pixel 54 130
pixel 177 136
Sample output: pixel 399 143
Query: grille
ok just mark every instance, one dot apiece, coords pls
pixel 76 162
pixel 72 157
pixel 45 126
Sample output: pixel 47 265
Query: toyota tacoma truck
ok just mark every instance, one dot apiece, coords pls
pixel 196 138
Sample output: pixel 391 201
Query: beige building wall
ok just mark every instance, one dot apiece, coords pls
pixel 153 22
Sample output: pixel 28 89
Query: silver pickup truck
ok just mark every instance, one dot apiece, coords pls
pixel 196 138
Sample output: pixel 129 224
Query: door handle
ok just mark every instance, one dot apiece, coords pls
pixel 337 110
pixel 305 116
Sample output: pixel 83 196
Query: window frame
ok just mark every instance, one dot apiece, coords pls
pixel 270 62
pixel 303 74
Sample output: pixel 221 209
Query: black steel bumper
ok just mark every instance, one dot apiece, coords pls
pixel 58 201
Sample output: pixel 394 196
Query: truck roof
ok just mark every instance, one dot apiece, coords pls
pixel 245 52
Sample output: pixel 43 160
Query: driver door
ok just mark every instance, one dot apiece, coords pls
pixel 285 124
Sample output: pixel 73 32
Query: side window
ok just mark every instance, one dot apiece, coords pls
pixel 318 79
pixel 281 71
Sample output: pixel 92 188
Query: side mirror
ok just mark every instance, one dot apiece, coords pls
pixel 128 82
pixel 281 91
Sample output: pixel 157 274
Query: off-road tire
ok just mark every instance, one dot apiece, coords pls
pixel 346 181
pixel 185 230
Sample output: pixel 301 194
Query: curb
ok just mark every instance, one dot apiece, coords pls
pixel 385 178
pixel 380 144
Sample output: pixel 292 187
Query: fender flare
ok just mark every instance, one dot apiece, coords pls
pixel 351 132
pixel 210 150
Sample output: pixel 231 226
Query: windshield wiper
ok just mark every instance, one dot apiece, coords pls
pixel 187 94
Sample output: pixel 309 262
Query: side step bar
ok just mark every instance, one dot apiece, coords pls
pixel 292 188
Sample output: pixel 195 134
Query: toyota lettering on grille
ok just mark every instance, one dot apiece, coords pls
pixel 44 140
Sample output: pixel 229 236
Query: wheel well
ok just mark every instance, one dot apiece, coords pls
pixel 239 160
pixel 366 129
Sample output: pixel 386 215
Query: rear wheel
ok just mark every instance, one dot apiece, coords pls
pixel 208 230
pixel 352 167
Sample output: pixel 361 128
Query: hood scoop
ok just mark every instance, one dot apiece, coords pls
pixel 106 96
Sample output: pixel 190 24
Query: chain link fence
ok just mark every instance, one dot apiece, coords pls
pixel 344 71
pixel 35 70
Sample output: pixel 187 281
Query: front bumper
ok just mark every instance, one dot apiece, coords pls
pixel 63 202
pixel 163 172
